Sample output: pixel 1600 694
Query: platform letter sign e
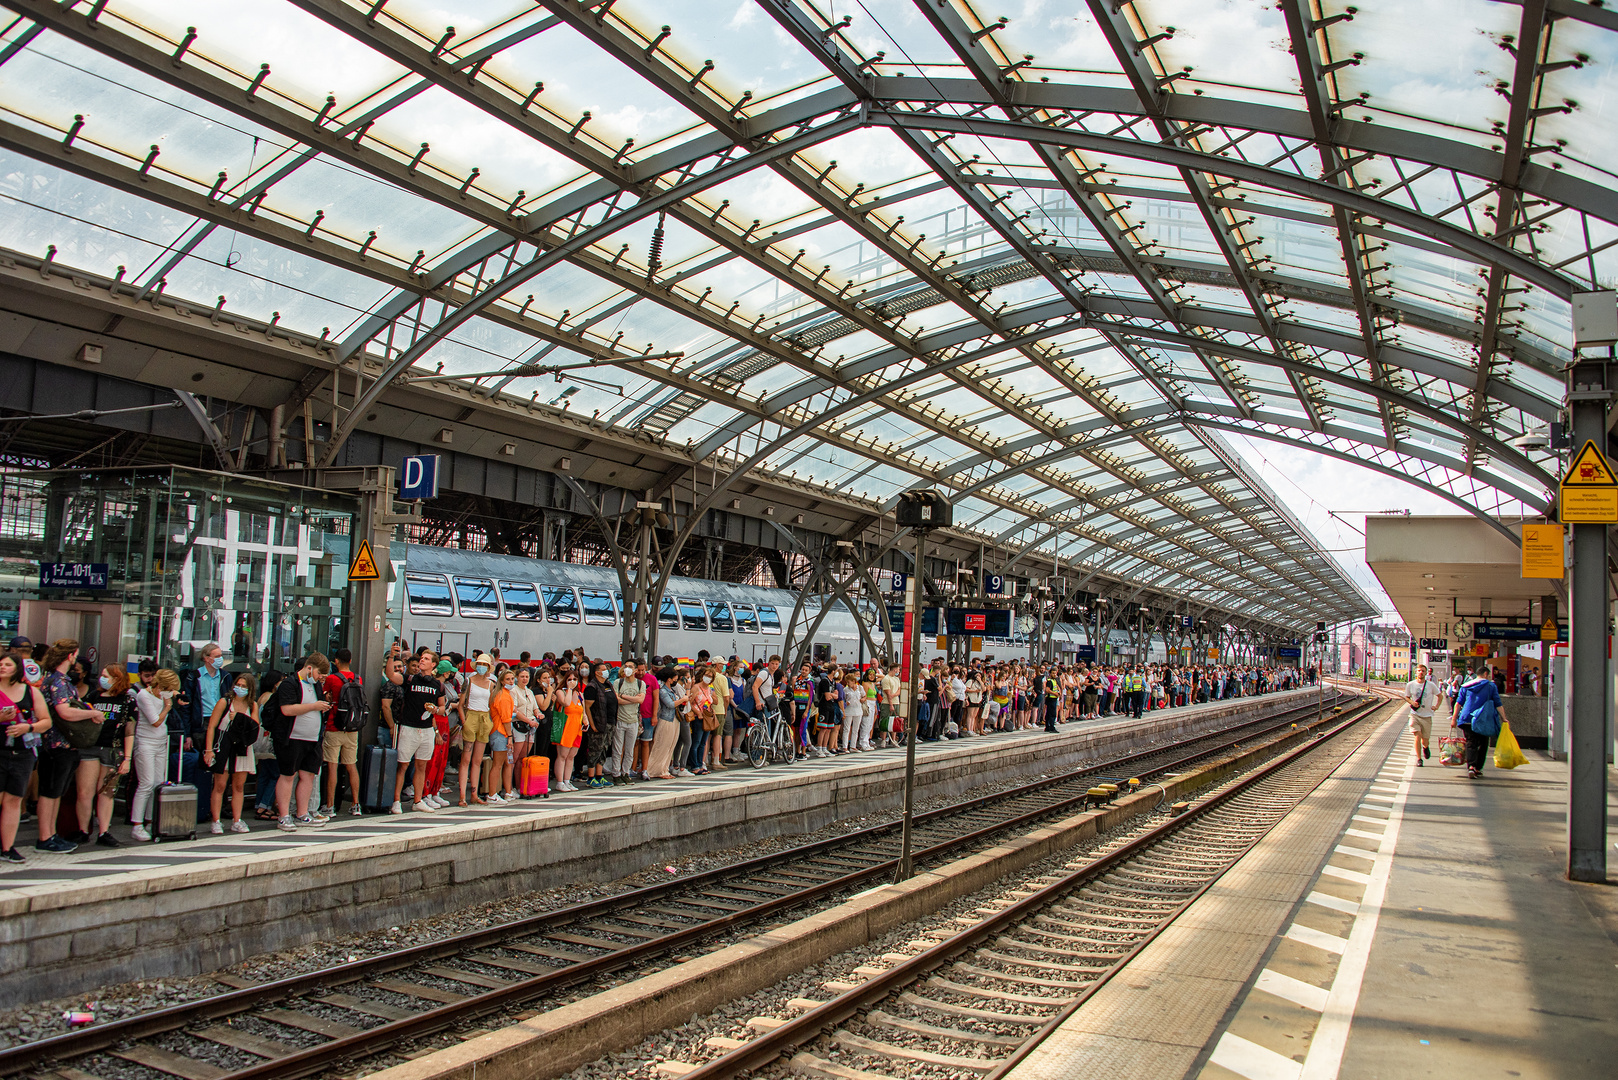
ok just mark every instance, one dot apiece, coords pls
pixel 418 477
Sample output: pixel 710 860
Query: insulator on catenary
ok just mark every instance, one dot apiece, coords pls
pixel 654 256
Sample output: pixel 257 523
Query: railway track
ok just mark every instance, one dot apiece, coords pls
pixel 981 1000
pixel 310 1023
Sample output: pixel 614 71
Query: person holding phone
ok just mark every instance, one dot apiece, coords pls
pixel 24 718
pixel 295 723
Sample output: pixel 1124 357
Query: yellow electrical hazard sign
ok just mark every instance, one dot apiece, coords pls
pixel 364 568
pixel 1589 494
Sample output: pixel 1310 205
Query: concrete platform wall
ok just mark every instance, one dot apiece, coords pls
pixel 65 937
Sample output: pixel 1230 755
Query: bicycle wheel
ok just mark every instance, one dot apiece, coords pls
pixel 756 749
pixel 783 741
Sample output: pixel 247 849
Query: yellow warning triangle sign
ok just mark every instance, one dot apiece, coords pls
pixel 1589 469
pixel 363 568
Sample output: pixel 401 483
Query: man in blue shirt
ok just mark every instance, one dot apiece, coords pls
pixel 1477 713
pixel 202 689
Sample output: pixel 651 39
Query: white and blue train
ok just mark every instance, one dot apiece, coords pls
pixel 469 601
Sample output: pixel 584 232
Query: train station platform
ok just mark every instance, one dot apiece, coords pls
pixel 1405 922
pixel 100 916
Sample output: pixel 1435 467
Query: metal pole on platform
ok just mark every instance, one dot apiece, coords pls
pixel 913 663
pixel 1588 401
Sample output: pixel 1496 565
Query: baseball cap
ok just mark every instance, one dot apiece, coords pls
pixel 445 667
pixel 20 642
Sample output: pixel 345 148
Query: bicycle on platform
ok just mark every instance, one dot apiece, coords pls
pixel 769 738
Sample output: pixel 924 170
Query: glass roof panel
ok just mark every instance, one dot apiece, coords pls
pixel 891 240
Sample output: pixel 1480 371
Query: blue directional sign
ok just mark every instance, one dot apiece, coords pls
pixel 1086 654
pixel 1288 652
pixel 418 477
pixel 72 575
pixel 994 584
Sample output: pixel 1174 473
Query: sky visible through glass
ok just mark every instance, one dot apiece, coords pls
pixel 1183 284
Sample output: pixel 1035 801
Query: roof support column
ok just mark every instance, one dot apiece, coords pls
pixel 1588 400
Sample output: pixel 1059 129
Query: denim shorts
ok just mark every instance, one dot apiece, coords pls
pixel 497 742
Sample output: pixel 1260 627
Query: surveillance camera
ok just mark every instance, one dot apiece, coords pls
pixel 1533 440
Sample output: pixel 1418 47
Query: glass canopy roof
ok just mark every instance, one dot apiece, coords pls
pixel 1046 258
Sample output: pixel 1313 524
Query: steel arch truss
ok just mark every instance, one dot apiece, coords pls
pixel 1148 484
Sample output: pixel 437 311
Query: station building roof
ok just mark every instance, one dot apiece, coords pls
pixel 1048 263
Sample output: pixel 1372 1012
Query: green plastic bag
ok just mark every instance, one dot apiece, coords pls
pixel 1507 754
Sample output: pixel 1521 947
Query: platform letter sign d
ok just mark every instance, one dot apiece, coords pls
pixel 418 477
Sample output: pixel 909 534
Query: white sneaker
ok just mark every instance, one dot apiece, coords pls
pixel 239 826
pixel 396 808
pixel 217 828
pixel 356 810
pixel 287 824
pixel 493 797
pixel 139 833
pixel 436 802
pixel 425 807
pixel 512 796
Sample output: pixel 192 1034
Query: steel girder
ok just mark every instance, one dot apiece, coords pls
pixel 418 292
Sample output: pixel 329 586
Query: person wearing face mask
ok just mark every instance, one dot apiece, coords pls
pixel 294 724
pixel 100 766
pixel 230 765
pixel 153 704
pixel 630 691
pixel 476 726
pixel 600 723
pixel 200 692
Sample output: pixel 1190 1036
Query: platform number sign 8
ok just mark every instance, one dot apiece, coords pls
pixel 994 584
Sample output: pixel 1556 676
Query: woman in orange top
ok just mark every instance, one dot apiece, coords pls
pixel 569 697
pixel 501 706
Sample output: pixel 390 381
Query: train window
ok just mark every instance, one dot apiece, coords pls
pixel 476 596
pixel 746 621
pixel 768 620
pixel 668 616
pixel 719 616
pixel 692 614
pixel 428 595
pixel 522 602
pixel 561 605
pixel 597 607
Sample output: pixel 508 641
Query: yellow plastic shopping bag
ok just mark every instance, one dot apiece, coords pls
pixel 1507 754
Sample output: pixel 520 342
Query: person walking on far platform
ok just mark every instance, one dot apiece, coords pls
pixel 1422 695
pixel 1478 714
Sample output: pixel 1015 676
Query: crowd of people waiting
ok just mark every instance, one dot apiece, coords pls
pixel 599 723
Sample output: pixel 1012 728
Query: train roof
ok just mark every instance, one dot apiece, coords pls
pixel 421 558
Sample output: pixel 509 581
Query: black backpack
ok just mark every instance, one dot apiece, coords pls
pixel 352 709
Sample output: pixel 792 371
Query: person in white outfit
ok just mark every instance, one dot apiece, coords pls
pixel 152 704
pixel 1422 695
pixel 868 721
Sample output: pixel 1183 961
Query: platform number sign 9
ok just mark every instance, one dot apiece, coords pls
pixel 994 584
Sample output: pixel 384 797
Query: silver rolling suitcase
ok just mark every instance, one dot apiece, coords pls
pixel 175 817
